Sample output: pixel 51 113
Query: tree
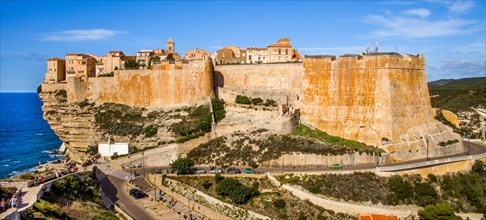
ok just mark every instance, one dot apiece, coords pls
pixel 478 167
pixel 241 99
pixel 439 211
pixel 402 189
pixel 130 64
pixel 425 194
pixel 182 165
pixel 218 109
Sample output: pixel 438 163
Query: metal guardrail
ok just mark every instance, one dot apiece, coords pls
pixel 429 163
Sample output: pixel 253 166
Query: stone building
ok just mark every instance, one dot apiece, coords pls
pixel 111 62
pixel 280 52
pixel 56 70
pixel 230 55
pixel 256 55
pixel 143 58
pixel 197 54
pixel 80 64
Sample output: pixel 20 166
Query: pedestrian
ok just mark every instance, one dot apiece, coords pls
pixel 3 205
pixel 57 175
pixel 13 202
pixel 36 181
pixel 41 179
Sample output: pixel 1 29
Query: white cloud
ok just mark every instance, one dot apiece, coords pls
pixel 459 6
pixel 455 6
pixel 474 48
pixel 417 27
pixel 79 35
pixel 421 12
pixel 459 68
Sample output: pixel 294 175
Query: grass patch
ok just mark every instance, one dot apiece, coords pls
pixel 305 131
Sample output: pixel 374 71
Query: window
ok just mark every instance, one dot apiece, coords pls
pixel 54 64
pixel 222 55
pixel 71 68
pixel 279 51
pixel 278 58
pixel 249 57
pixel 287 51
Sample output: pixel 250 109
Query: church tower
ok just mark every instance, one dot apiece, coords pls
pixel 170 46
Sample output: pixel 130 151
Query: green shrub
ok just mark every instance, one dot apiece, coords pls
pixel 26 176
pixel 314 189
pixel 217 177
pixel 432 178
pixel 270 102
pixel 182 165
pixel 218 109
pixel 150 131
pixel 241 99
pixel 302 216
pixel 479 167
pixel 257 101
pixel 438 212
pixel 425 194
pixel 402 190
pixel 237 192
pixel 279 203
pixel 206 184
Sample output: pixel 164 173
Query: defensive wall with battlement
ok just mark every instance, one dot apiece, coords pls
pixel 380 99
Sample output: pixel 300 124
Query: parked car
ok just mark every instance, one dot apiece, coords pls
pixel 216 170
pixel 233 170
pixel 137 194
pixel 199 171
pixel 249 170
pixel 336 166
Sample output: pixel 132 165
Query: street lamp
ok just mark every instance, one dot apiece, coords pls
pixel 143 166
pixel 468 136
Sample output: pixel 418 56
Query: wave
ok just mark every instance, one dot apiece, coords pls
pixel 39 134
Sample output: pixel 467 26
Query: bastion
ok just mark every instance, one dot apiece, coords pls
pixel 380 99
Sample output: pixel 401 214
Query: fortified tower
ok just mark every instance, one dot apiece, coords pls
pixel 170 46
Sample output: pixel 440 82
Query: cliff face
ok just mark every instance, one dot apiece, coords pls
pixel 70 123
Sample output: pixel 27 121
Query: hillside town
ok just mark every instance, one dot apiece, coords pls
pixel 89 65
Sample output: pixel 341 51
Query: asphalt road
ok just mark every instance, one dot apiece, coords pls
pixel 474 148
pixel 114 189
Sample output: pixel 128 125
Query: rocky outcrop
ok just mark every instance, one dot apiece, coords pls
pixel 82 125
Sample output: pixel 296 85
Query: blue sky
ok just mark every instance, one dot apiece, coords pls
pixel 451 34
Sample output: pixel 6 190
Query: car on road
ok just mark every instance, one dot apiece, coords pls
pixel 199 171
pixel 233 170
pixel 336 166
pixel 137 194
pixel 249 171
pixel 216 170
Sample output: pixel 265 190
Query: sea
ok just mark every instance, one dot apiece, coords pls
pixel 25 137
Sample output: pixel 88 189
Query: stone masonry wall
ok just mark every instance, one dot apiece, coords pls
pixel 166 85
pixel 280 82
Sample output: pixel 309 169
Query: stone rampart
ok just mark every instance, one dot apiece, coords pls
pixel 311 160
pixel 166 85
pixel 381 100
pixel 280 82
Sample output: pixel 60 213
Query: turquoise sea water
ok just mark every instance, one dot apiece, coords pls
pixel 25 138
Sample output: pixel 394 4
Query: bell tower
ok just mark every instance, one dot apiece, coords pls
pixel 170 46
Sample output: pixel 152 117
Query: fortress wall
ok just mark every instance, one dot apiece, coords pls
pixel 168 85
pixel 369 98
pixel 266 81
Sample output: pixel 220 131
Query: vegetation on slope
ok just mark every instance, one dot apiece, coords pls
pixel 305 131
pixel 462 191
pixel 260 196
pixel 259 147
pixel 71 198
pixel 458 95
